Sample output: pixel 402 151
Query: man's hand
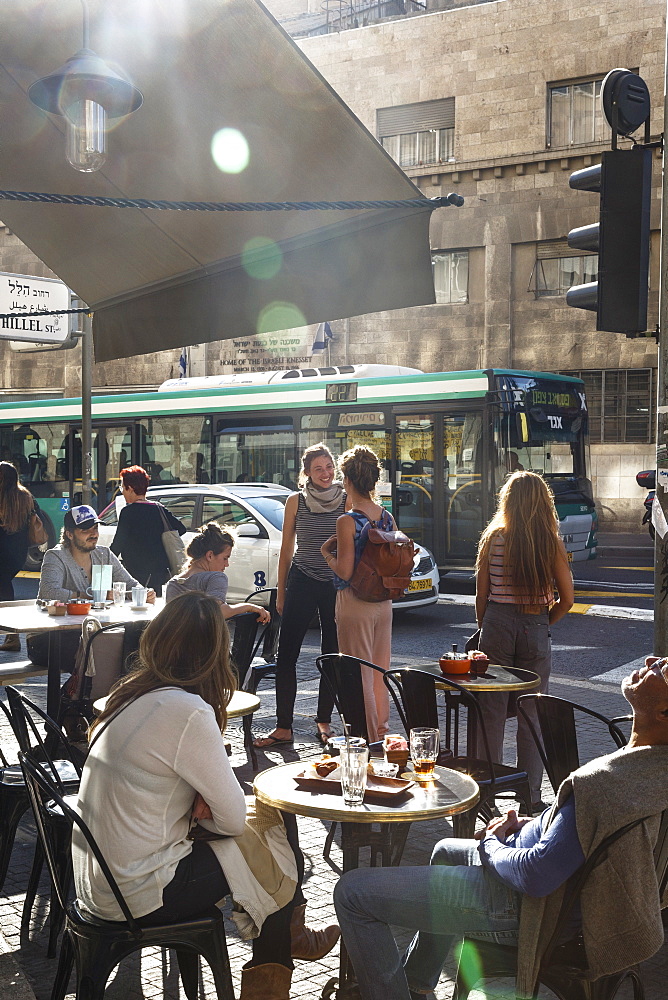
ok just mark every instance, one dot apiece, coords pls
pixel 150 596
pixel 200 809
pixel 501 827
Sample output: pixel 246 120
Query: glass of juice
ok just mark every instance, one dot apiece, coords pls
pixel 424 752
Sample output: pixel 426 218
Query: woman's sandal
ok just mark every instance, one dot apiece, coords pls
pixel 266 742
pixel 324 737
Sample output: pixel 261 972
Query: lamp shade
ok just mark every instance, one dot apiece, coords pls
pixel 85 77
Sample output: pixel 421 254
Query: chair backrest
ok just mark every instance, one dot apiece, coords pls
pixel 42 789
pixel 558 739
pixel 21 713
pixel 343 675
pixel 244 634
pixel 268 633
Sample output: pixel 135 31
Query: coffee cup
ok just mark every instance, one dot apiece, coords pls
pixel 139 595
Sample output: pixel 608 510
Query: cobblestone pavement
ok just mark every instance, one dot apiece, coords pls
pixel 154 973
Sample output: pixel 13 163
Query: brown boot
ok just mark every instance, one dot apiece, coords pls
pixel 308 943
pixel 12 643
pixel 266 982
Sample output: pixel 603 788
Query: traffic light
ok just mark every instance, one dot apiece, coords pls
pixel 619 297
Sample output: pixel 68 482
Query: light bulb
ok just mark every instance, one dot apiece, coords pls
pixel 86 136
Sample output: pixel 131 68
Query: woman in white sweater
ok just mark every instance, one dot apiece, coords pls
pixel 157 764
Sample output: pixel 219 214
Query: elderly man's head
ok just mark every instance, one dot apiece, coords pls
pixel 646 691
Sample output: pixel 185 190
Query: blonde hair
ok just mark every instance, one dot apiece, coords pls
pixel 16 501
pixel 527 518
pixel 187 646
pixel 360 465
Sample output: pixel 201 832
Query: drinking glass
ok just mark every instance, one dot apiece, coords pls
pixel 139 595
pixel 119 592
pixel 353 762
pixel 424 752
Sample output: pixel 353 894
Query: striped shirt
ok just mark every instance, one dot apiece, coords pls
pixel 501 588
pixel 313 530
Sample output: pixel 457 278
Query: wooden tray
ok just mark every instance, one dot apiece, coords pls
pixel 377 789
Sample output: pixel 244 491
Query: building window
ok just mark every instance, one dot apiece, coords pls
pixel 451 275
pixel 555 275
pixel 416 134
pixel 619 402
pixel 574 114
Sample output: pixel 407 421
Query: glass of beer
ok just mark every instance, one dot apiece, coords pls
pixel 424 752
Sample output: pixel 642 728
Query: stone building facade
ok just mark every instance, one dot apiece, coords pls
pixel 516 81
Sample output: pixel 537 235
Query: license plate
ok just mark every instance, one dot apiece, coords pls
pixel 569 556
pixel 419 585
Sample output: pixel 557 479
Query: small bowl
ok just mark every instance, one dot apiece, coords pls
pixel 56 610
pixel 78 608
pixel 454 666
pixel 384 768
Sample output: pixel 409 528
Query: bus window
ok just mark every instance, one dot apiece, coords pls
pixel 341 431
pixel 169 449
pixel 252 450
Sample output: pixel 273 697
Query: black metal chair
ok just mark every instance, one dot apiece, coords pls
pixel 558 739
pixel 97 946
pixel 414 695
pixel 14 802
pixel 344 676
pixel 254 657
pixel 25 718
pixel 563 968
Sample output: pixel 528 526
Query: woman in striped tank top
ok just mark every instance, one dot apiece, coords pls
pixel 305 584
pixel 521 561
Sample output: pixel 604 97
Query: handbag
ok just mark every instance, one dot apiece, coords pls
pixel 472 641
pixel 172 543
pixel 36 531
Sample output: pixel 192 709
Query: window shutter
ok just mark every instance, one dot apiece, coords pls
pixel 420 117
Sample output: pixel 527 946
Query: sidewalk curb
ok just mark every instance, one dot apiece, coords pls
pixel 12 981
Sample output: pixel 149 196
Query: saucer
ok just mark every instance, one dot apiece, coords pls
pixel 140 607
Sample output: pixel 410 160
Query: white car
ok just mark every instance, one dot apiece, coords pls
pixel 255 511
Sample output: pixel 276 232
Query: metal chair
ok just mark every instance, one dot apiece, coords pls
pixel 254 657
pixel 14 802
pixel 563 967
pixel 343 675
pixel 558 739
pixel 65 773
pixel 414 694
pixel 97 946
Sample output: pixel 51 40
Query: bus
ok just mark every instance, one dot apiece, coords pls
pixel 446 442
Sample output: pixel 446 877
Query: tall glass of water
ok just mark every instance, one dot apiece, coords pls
pixel 424 752
pixel 353 762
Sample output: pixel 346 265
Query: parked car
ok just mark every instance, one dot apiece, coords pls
pixel 255 511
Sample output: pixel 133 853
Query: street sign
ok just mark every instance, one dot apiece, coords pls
pixel 22 293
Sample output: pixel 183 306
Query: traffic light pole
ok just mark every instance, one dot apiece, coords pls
pixel 661 544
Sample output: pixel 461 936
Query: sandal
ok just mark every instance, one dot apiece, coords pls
pixel 265 742
pixel 323 737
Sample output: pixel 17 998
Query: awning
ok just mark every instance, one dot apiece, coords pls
pixel 159 280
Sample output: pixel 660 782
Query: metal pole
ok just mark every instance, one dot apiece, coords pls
pixel 661 544
pixel 86 416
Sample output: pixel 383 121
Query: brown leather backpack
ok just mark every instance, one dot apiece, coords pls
pixel 384 570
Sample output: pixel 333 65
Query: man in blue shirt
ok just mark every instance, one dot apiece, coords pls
pixel 492 889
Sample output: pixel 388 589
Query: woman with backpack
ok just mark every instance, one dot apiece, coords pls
pixel 521 561
pixel 364 629
pixel 17 508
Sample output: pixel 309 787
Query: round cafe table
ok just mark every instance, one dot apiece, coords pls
pixel 242 703
pixel 447 794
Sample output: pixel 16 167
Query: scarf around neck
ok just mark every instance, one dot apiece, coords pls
pixel 322 501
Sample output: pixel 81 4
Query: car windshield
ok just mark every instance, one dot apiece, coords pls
pixel 270 507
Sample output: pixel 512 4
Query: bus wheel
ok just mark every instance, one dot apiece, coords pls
pixel 33 562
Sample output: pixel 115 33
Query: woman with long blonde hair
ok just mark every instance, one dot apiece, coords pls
pixel 157 767
pixel 17 507
pixel 521 561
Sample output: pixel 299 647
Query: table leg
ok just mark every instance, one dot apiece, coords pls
pixel 352 834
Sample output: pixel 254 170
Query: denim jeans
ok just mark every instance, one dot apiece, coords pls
pixel 452 898
pixel 303 595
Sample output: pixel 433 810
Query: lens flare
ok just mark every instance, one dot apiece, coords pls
pixel 230 151
pixel 279 316
pixel 262 258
